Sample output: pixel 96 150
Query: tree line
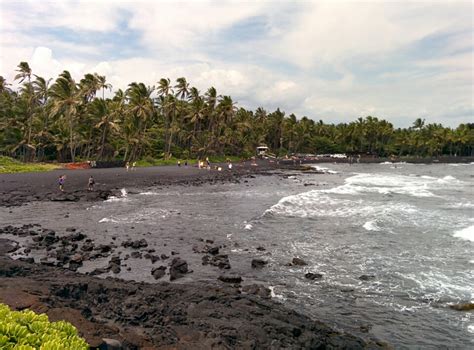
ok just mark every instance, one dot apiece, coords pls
pixel 69 120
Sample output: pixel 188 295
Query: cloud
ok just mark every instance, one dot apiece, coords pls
pixel 332 60
pixel 337 31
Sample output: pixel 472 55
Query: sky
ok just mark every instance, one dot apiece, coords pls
pixel 330 60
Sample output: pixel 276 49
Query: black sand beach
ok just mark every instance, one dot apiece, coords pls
pixel 164 315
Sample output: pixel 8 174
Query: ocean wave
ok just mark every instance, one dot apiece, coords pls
pixel 385 184
pixel 319 203
pixel 143 215
pixel 465 234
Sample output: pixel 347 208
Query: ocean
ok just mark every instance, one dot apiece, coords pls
pixel 394 243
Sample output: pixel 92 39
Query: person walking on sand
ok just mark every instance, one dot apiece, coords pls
pixel 127 166
pixel 134 165
pixel 90 184
pixel 61 181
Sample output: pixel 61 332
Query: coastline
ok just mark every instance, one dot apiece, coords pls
pixel 197 314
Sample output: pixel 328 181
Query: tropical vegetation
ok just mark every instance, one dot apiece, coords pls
pixel 69 120
pixel 26 330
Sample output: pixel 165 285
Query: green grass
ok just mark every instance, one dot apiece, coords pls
pixel 10 165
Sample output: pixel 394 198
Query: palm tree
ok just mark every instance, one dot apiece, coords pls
pixel 43 136
pixel 66 100
pixel 182 88
pixel 4 85
pixel 141 109
pixel 108 120
pixel 101 84
pixel 24 72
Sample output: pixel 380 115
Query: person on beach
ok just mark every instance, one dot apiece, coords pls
pixel 208 163
pixel 127 165
pixel 134 165
pixel 186 163
pixel 179 163
pixel 90 184
pixel 61 181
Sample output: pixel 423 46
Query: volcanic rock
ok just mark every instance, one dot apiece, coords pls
pixel 178 268
pixel 230 278
pixel 159 272
pixel 313 276
pixel 258 263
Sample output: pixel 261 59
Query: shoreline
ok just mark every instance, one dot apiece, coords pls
pixel 224 313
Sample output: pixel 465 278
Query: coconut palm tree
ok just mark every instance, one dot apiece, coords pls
pixel 102 84
pixel 24 72
pixel 66 99
pixel 140 108
pixel 182 88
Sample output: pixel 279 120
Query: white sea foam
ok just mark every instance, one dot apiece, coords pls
pixel 108 220
pixel 149 193
pixel 324 170
pixel 466 233
pixel 123 198
pixel 319 203
pixel 371 226
pixel 142 215
pixel 116 199
pixel 462 205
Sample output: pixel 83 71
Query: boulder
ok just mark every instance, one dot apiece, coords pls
pixel 110 344
pixel 258 263
pixel 221 261
pixel 178 268
pixel 141 243
pixel 158 272
pixel 213 250
pixel 366 277
pixel 313 275
pixel 298 262
pixel 136 255
pixel 77 236
pixel 230 278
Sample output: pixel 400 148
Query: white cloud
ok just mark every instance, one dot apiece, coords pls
pixel 177 25
pixel 337 31
pixel 76 15
pixel 308 36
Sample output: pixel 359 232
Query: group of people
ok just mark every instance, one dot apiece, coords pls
pixel 133 167
pixel 91 182
pixel 62 180
pixel 207 165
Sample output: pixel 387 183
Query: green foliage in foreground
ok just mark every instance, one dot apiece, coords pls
pixel 9 165
pixel 25 330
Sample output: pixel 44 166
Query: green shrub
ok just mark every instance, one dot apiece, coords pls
pixel 25 330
